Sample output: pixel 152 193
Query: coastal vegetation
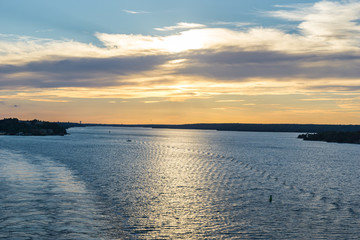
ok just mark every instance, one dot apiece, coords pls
pixel 333 136
pixel 14 126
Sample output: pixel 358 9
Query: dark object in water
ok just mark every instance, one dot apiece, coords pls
pixel 270 199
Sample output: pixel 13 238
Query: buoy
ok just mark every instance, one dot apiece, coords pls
pixel 270 199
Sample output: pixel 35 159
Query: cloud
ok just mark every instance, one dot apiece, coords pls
pixel 326 19
pixel 181 25
pixel 235 24
pixel 336 88
pixel 47 100
pixel 229 101
pixel 238 66
pixel 119 66
pixel 16 49
pixel 241 65
pixel 77 72
pixel 134 12
pixel 209 38
pixel 205 60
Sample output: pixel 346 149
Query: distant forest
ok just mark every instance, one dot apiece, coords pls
pixel 13 126
pixel 339 137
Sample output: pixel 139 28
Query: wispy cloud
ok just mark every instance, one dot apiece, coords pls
pixel 151 102
pixel 134 12
pixel 229 101
pixel 235 24
pixel 181 25
pixel 47 100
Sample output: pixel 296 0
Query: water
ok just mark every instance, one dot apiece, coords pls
pixel 177 184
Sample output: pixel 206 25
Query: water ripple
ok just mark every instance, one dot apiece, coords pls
pixel 40 199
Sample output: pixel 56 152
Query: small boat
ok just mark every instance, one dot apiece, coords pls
pixel 128 140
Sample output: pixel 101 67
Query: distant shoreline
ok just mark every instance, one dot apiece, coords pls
pixel 313 132
pixel 298 128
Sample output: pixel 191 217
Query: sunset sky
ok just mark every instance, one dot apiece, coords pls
pixel 141 61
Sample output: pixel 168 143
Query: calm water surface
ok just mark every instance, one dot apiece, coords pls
pixel 177 184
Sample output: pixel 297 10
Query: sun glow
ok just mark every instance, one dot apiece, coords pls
pixel 183 41
pixel 188 40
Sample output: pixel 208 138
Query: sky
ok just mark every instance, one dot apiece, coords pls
pixel 176 62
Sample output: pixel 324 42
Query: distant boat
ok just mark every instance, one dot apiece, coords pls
pixel 128 140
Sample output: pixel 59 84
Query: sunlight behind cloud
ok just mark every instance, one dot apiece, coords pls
pixel 139 44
